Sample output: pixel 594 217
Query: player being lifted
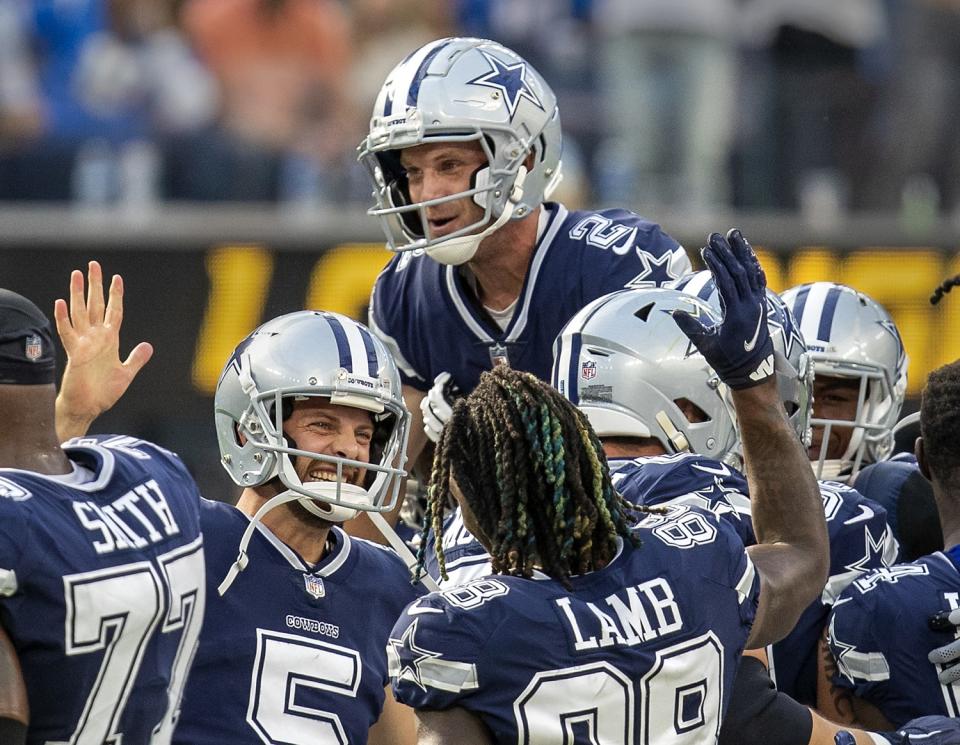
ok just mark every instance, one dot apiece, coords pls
pixel 463 152
pixel 614 605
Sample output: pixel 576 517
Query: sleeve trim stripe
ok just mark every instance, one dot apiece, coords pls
pixel 864 665
pixel 443 675
pixel 745 583
pixel 8 582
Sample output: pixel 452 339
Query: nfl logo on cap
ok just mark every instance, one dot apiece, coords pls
pixel 33 347
pixel 588 370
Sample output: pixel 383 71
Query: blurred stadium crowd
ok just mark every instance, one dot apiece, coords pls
pixel 697 104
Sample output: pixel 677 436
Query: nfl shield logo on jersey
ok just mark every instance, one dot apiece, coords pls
pixel 588 370
pixel 33 347
pixel 498 355
pixel 314 586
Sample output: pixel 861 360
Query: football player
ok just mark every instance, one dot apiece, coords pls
pixel 647 392
pixel 861 376
pixel 102 586
pixel 885 625
pixel 463 151
pixel 861 380
pixel 639 628
pixel 311 424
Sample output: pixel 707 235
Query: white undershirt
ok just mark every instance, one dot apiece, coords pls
pixel 502 317
pixel 77 477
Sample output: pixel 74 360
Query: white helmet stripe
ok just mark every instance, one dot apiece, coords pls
pixel 699 284
pixel 566 366
pixel 813 312
pixel 405 86
pixel 566 357
pixel 350 344
pixel 340 337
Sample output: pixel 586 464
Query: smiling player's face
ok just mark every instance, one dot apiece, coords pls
pixel 318 426
pixel 833 398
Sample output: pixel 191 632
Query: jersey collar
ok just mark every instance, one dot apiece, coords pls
pixel 460 294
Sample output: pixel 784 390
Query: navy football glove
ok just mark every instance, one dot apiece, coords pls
pixel 929 730
pixel 739 348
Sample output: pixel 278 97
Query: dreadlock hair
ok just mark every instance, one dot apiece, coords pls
pixel 533 473
pixel 940 421
pixel 943 288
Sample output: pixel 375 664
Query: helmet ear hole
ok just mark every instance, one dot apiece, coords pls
pixel 691 412
pixel 541 148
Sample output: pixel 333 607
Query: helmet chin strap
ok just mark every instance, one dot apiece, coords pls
pixel 307 495
pixel 460 250
pixel 674 435
pixel 335 513
pixel 829 470
pixel 242 559
pixel 327 492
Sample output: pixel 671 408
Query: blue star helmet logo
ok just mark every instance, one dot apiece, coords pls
pixel 234 361
pixel 891 327
pixel 510 80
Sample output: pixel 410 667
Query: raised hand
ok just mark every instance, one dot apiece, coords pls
pixel 739 348
pixel 94 378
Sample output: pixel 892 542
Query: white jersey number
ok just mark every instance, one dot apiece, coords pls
pixel 287 664
pixel 681 701
pixel 116 611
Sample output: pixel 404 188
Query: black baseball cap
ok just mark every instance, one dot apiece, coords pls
pixel 27 355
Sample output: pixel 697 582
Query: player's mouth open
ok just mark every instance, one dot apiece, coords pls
pixel 329 476
pixel 437 225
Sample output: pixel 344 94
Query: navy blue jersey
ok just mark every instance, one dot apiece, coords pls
pixel 102 590
pixel 291 654
pixel 721 490
pixel 860 540
pixel 465 559
pixel 430 320
pixel 644 650
pixel 898 485
pixel 687 478
pixel 880 638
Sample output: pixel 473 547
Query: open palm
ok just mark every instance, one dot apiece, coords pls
pixel 95 378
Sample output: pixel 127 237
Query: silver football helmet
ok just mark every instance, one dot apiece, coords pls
pixel 461 90
pixel 793 367
pixel 625 363
pixel 304 354
pixel 849 335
